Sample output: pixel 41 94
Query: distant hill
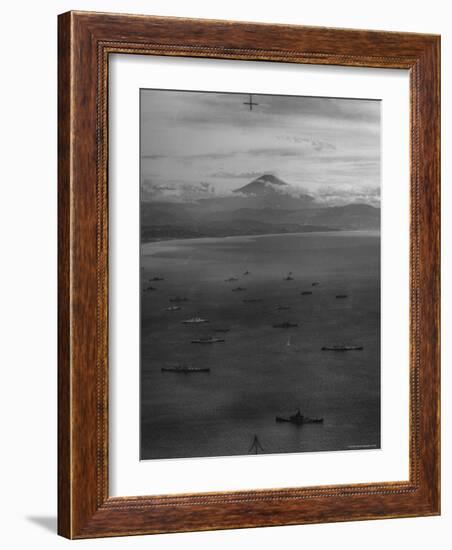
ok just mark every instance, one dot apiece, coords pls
pixel 350 216
pixel 263 206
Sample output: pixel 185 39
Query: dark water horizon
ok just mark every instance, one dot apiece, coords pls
pixel 261 372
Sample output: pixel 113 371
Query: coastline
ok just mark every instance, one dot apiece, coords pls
pixel 144 247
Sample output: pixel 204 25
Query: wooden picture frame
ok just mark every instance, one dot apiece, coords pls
pixel 85 42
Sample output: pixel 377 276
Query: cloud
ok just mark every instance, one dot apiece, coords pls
pixel 212 109
pixel 314 144
pixel 295 152
pixel 235 175
pixel 347 194
pixel 178 192
pixel 193 137
pixel 256 152
pixel 154 157
pixel 211 156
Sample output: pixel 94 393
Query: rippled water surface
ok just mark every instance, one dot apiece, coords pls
pixel 260 372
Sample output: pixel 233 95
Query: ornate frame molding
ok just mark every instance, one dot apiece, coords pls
pixel 85 42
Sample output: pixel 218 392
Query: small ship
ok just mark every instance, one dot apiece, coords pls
pixel 221 329
pixel 231 279
pixel 341 295
pixel 150 289
pixel 285 325
pixel 246 272
pixel 252 300
pixel 315 283
pixel 195 320
pixel 184 369
pixel 172 308
pixel 299 419
pixel 342 348
pixel 156 279
pixel 179 299
pixel 289 277
pixel 282 308
pixel 306 292
pixel 207 340
pixel 238 289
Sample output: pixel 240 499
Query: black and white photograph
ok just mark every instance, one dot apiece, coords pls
pixel 259 274
pixel 224 238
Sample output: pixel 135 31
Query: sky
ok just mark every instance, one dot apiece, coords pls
pixel 201 144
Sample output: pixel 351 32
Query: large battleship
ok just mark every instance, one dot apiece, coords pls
pixel 342 348
pixel 286 324
pixel 185 369
pixel 207 340
pixel 299 419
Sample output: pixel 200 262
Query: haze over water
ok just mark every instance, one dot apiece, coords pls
pixel 260 372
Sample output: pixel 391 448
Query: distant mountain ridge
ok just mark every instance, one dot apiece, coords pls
pixel 265 205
